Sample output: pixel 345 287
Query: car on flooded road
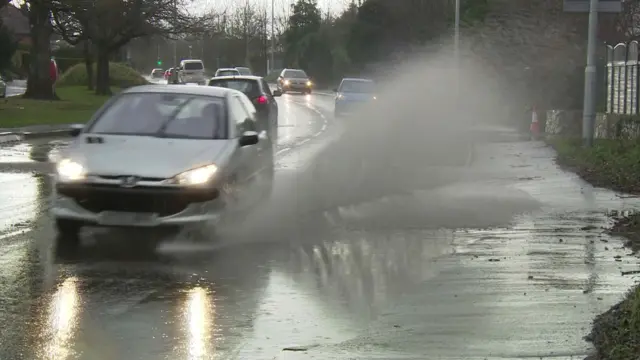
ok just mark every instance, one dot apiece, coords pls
pixel 294 80
pixel 162 157
pixel 353 93
pixel 259 93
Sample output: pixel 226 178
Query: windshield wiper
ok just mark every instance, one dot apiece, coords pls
pixel 172 117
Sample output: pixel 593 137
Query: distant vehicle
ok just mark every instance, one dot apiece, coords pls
pixel 226 72
pixel 162 157
pixel 351 93
pixel 294 80
pixel 157 73
pixel 244 70
pixel 167 73
pixel 258 92
pixel 3 88
pixel 173 76
pixel 192 71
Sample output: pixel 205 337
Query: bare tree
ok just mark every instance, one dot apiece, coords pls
pixel 111 24
pixel 39 84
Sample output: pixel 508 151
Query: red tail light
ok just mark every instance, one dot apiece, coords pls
pixel 261 100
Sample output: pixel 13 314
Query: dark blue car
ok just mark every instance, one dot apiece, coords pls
pixel 352 93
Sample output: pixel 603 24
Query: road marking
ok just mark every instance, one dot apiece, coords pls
pixel 315 135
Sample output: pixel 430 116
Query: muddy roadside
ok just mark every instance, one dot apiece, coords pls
pixel 611 164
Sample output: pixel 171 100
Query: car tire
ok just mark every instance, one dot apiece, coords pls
pixel 68 236
pixel 308 92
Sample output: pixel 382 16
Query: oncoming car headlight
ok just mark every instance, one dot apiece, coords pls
pixel 197 176
pixel 287 82
pixel 309 83
pixel 69 170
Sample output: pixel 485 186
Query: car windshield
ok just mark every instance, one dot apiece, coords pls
pixel 357 86
pixel 295 74
pixel 227 73
pixel 182 116
pixel 193 66
pixel 248 87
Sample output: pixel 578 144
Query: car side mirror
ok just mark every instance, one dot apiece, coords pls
pixel 248 138
pixel 277 93
pixel 76 129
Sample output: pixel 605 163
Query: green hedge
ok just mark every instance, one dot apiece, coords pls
pixel 120 76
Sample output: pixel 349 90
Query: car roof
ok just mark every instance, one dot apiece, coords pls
pixel 227 69
pixel 240 77
pixel 242 67
pixel 288 69
pixel 191 60
pixel 183 89
pixel 357 79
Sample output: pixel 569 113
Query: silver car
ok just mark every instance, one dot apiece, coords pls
pixel 3 88
pixel 164 157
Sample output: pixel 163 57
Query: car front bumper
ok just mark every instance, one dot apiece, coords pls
pixel 296 87
pixel 135 207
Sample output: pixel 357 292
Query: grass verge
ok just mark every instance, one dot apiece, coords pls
pixel 77 105
pixel 611 164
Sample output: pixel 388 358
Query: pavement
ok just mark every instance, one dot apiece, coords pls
pixel 491 252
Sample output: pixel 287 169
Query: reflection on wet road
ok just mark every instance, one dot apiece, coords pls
pixel 505 258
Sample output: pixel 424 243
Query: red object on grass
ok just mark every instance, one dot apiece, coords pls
pixel 53 71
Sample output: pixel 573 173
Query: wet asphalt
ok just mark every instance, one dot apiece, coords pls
pixel 504 257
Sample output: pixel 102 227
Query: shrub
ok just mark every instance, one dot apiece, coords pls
pixel 120 76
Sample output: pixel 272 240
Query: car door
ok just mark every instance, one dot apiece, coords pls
pixel 247 168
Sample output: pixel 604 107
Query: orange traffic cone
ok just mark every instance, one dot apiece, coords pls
pixel 534 128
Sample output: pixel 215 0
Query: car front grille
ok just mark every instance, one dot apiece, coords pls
pixel 162 201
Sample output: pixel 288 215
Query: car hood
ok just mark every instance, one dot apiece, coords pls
pixel 147 156
pixel 347 96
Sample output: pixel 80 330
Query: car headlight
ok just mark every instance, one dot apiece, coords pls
pixel 287 82
pixel 309 83
pixel 197 176
pixel 375 98
pixel 340 96
pixel 69 170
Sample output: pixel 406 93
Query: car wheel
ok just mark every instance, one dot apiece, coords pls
pixel 309 91
pixel 68 237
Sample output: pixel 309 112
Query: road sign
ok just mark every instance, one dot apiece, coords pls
pixel 605 6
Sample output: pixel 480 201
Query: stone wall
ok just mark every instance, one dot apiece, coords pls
pixel 568 123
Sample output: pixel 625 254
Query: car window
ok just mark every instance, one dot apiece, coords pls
pixel 227 73
pixel 193 66
pixel 244 70
pixel 248 106
pixel 295 74
pixel 357 86
pixel 241 116
pixel 248 87
pixel 266 88
pixel 164 115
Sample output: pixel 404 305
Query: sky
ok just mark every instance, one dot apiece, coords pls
pixel 280 5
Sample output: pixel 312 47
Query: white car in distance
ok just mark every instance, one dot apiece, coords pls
pixel 162 157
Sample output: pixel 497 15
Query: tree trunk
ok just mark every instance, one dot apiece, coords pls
pixel 39 85
pixel 88 63
pixel 102 73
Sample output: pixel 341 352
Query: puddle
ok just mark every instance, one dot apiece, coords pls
pixel 32 151
pixel 19 194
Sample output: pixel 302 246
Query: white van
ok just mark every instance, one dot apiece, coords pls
pixel 192 71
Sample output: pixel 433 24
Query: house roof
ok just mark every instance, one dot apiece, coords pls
pixel 15 20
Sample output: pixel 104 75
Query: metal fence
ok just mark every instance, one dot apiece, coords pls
pixel 621 76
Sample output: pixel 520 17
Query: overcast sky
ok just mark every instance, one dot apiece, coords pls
pixel 280 5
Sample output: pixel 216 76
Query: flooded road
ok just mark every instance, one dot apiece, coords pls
pixel 502 258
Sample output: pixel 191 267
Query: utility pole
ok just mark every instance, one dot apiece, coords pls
pixel 175 41
pixel 590 79
pixel 273 34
